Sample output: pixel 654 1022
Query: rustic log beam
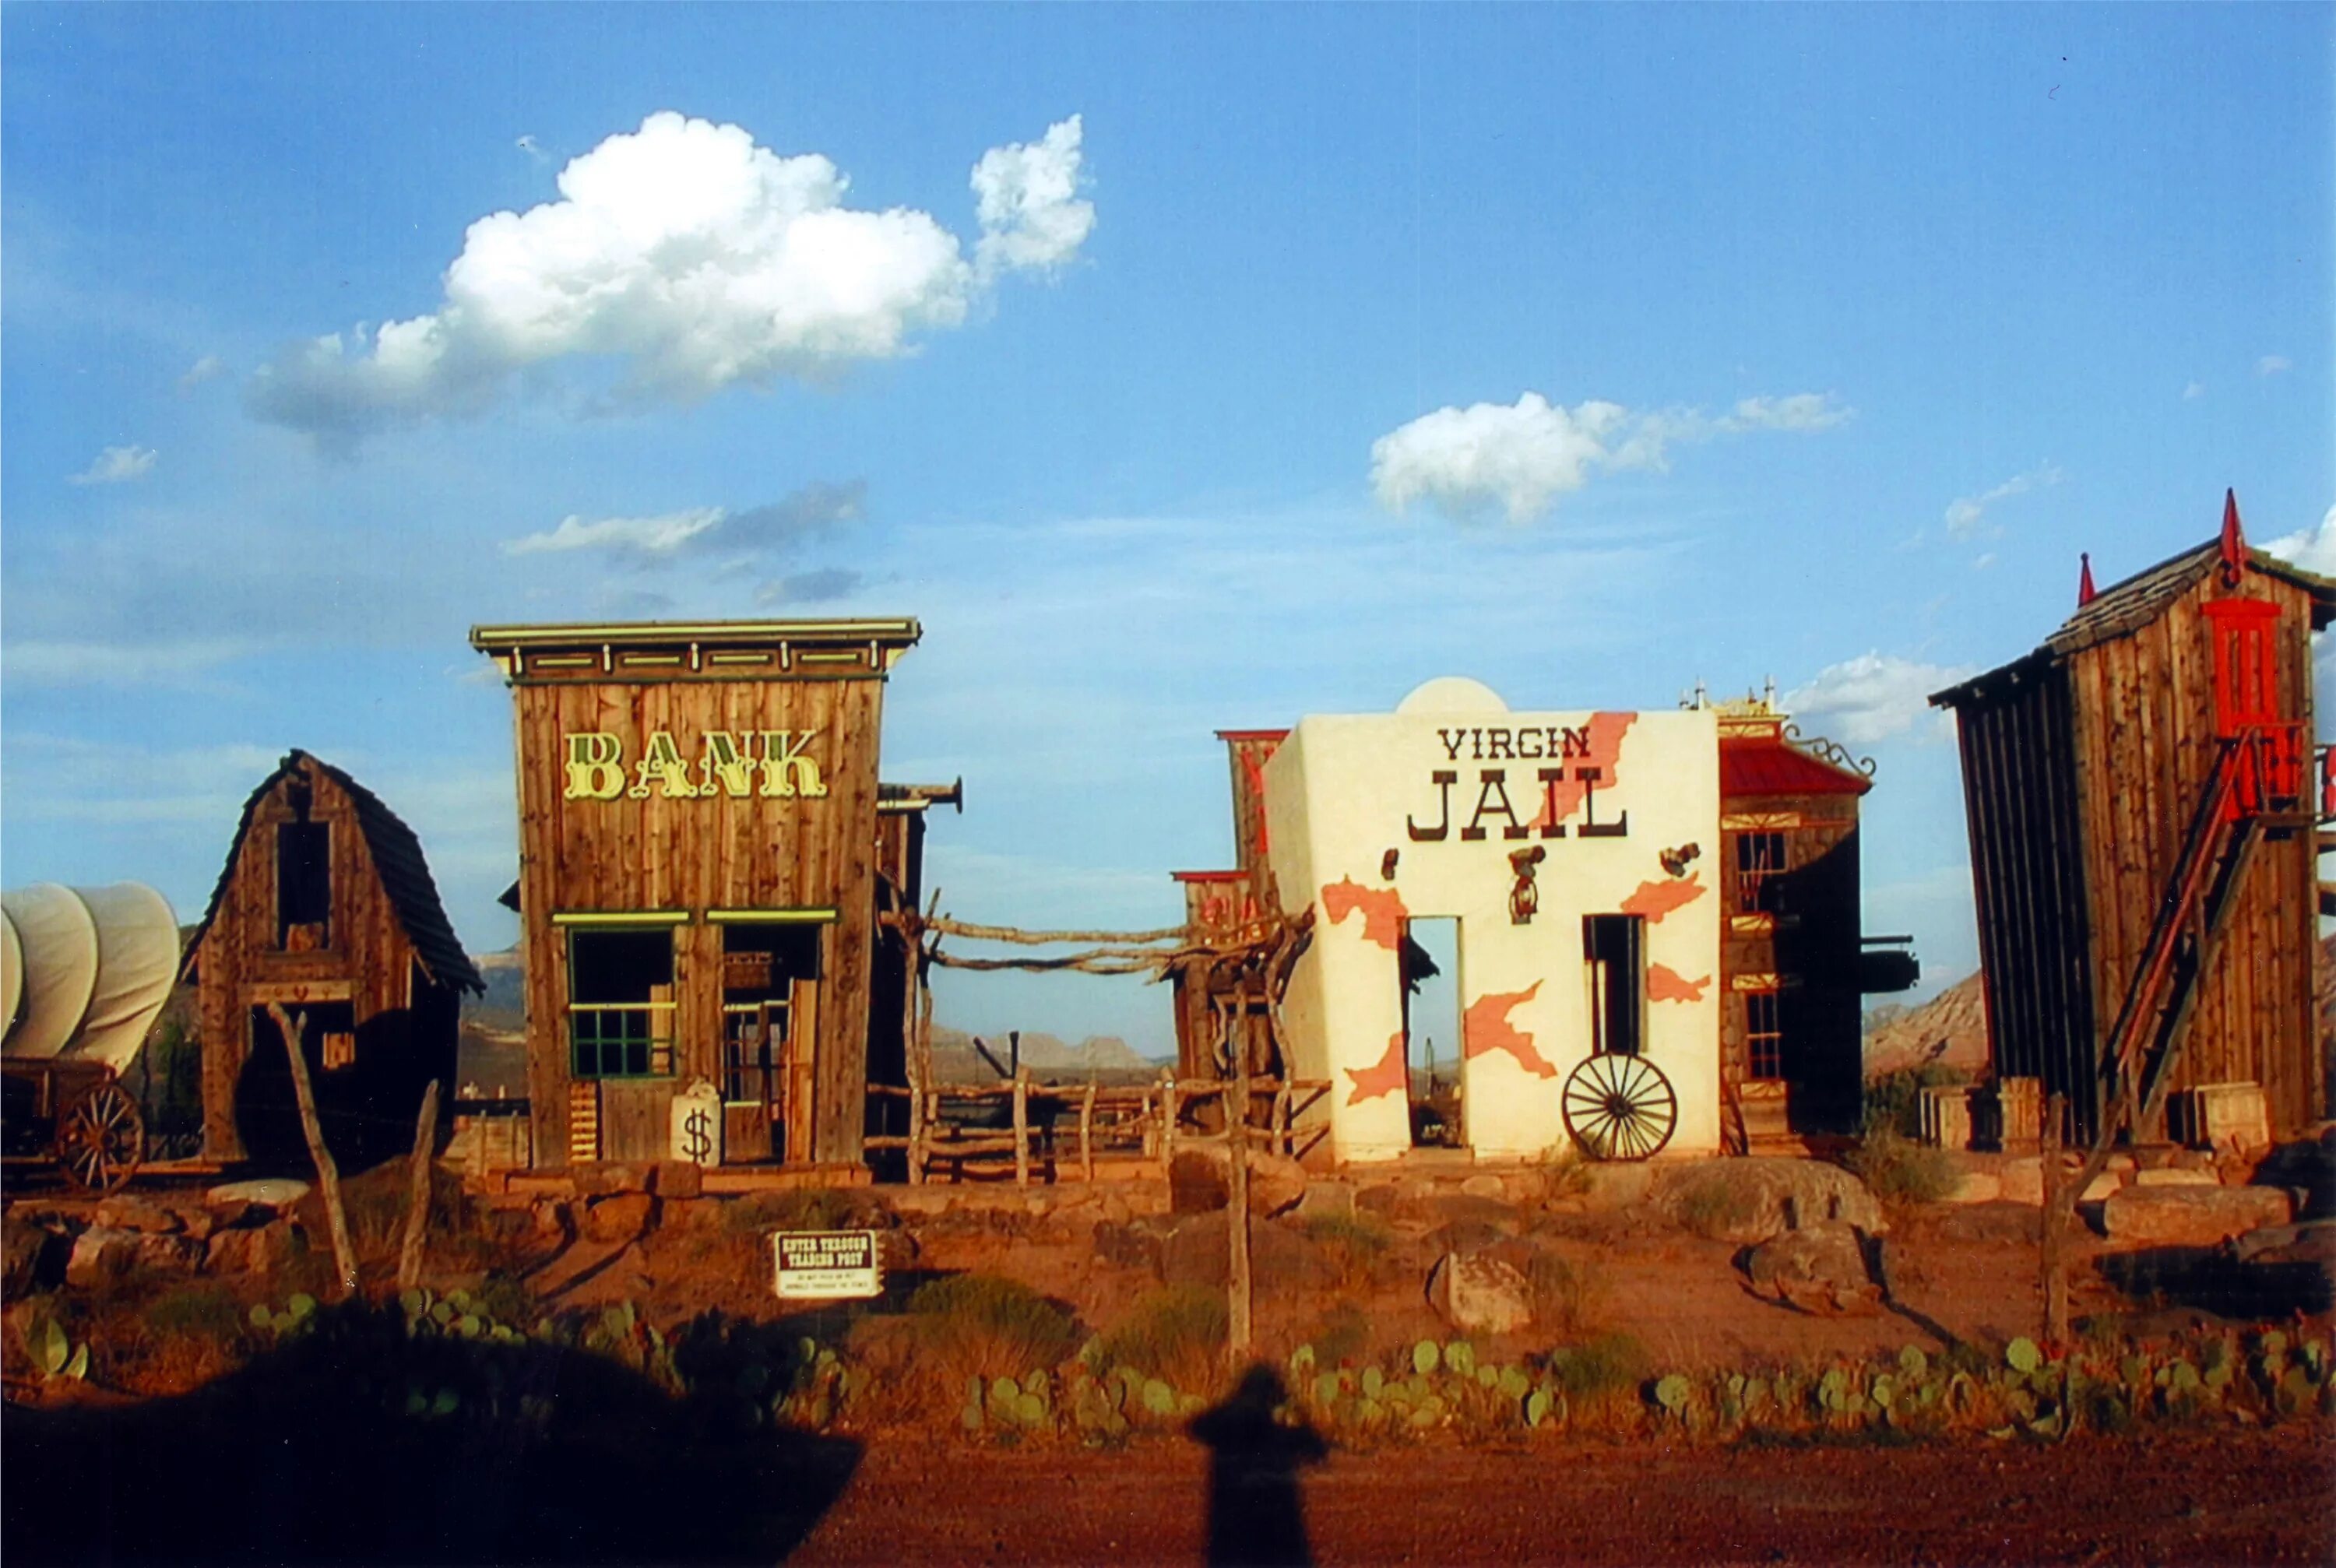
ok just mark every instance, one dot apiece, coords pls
pixel 288 1027
pixel 2060 1208
pixel 417 1189
pixel 1022 1126
pixel 1086 1135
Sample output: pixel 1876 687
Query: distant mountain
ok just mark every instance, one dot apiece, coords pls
pixel 1047 1055
pixel 1951 1029
pixel 504 1007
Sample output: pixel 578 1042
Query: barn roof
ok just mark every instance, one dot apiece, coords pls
pixel 2127 606
pixel 396 856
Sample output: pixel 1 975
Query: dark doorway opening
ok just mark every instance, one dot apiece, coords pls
pixel 1429 961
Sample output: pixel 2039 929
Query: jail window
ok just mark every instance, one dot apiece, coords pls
pixel 1614 950
pixel 1764 1033
pixel 767 976
pixel 1759 859
pixel 620 1002
pixel 303 886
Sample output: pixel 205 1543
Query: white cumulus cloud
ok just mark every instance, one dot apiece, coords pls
pixel 1523 457
pixel 209 367
pixel 695 260
pixel 1964 513
pixel 665 537
pixel 660 535
pixel 117 465
pixel 2312 548
pixel 1871 698
pixel 2272 363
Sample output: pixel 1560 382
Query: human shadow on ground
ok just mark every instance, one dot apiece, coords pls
pixel 1256 1515
pixel 354 1444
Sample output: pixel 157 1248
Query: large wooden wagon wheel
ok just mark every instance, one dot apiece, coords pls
pixel 1620 1107
pixel 102 1139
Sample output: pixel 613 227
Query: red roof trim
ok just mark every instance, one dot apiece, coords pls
pixel 1252 734
pixel 1209 876
pixel 1767 765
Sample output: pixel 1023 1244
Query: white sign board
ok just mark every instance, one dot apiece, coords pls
pixel 827 1265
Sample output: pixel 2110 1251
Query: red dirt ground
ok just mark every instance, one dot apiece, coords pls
pixel 2229 1497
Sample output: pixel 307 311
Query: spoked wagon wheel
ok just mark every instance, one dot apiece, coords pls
pixel 102 1139
pixel 1620 1107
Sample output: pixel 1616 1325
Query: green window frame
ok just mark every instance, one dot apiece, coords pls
pixel 621 979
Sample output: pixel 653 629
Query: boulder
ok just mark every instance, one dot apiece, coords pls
pixel 101 1254
pixel 1483 1185
pixel 1479 1294
pixel 136 1211
pixel 159 1253
pixel 680 1179
pixel 262 1250
pixel 1820 1267
pixel 607 1178
pixel 2191 1216
pixel 267 1192
pixel 1200 1180
pixel 1974 1188
pixel 618 1217
pixel 2175 1176
pixel 1126 1246
pixel 1749 1199
pixel 1198 1252
pixel 2021 1180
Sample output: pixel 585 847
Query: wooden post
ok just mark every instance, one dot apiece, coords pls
pixel 1021 1126
pixel 417 1188
pixel 328 1176
pixel 1281 1116
pixel 2058 1207
pixel 1086 1133
pixel 1237 1276
pixel 915 982
pixel 1169 1092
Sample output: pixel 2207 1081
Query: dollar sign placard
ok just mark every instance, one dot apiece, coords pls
pixel 698 1136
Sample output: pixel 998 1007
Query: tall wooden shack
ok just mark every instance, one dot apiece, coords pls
pixel 1219 905
pixel 326 909
pixel 705 852
pixel 2139 795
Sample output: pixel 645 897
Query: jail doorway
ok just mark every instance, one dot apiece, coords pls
pixel 1429 961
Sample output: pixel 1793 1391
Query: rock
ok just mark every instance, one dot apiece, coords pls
pixel 1377 1199
pixel 101 1254
pixel 2104 1185
pixel 1484 1186
pixel 1467 1208
pixel 1196 1184
pixel 2175 1176
pixel 135 1212
pixel 551 1217
pixel 606 1178
pixel 679 1179
pixel 1975 1187
pixel 267 1192
pixel 1325 1195
pixel 1615 1184
pixel 233 1215
pixel 34 1257
pixel 1126 1246
pixel 1820 1267
pixel 1199 1181
pixel 1198 1252
pixel 620 1217
pixel 263 1250
pixel 1750 1200
pixel 2191 1216
pixel 1478 1294
pixel 168 1254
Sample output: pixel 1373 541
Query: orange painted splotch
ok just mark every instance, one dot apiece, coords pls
pixel 1383 910
pixel 1655 900
pixel 1668 985
pixel 1390 1074
pixel 1563 797
pixel 1485 1027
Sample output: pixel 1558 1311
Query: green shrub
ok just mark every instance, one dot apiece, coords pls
pixel 988 1326
pixel 1900 1170
pixel 200 1311
pixel 1894 1101
pixel 1354 1246
pixel 1604 1366
pixel 1177 1335
pixel 1565 1294
pixel 1342 1336
pixel 793 1209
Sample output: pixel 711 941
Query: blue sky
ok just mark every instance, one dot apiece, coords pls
pixel 1178 368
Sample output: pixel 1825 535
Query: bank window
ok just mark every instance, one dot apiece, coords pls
pixel 620 1002
pixel 1759 861
pixel 303 886
pixel 769 994
pixel 1764 1034
pixel 1614 950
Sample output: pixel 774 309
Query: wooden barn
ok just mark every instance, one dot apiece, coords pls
pixel 326 908
pixel 2139 790
pixel 705 854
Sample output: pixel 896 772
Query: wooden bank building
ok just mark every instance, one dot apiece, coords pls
pixel 705 852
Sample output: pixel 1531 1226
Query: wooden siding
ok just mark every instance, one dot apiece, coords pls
pixel 700 854
pixel 2028 880
pixel 368 962
pixel 2145 741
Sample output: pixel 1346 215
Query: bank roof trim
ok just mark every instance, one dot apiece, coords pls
pixel 902 631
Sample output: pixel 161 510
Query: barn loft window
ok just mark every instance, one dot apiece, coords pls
pixel 1759 860
pixel 1614 950
pixel 1764 1034
pixel 620 1001
pixel 303 886
pixel 769 972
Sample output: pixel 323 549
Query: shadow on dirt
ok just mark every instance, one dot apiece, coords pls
pixel 2264 1288
pixel 1256 1515
pixel 354 1444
